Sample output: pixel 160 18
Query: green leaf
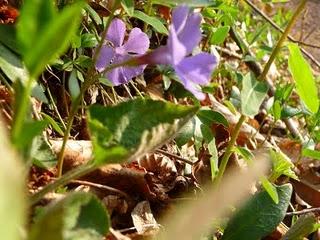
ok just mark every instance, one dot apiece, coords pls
pixel 128 6
pixel 8 37
pixel 77 216
pixel 185 133
pixel 88 40
pixel 30 131
pixel 214 159
pixel 219 35
pixel 282 165
pixel 136 127
pixel 303 77
pixel 34 17
pixel 41 153
pixel 306 152
pixel 153 21
pixel 270 189
pixel 259 216
pixel 305 225
pixel 52 40
pixel 252 95
pixel 11 65
pixel 73 84
pixel 12 191
pixel 191 3
pixel 208 117
pixel 53 123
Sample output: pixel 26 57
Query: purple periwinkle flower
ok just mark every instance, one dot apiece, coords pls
pixel 115 51
pixel 184 36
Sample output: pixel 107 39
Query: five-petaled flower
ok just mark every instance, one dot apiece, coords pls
pixel 184 36
pixel 115 51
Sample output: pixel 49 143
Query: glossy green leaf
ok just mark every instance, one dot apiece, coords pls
pixel 315 154
pixel 153 21
pixel 219 35
pixel 73 84
pixel 11 65
pixel 133 128
pixel 52 38
pixel 303 77
pixel 208 117
pixel 186 133
pixel 88 40
pixel 41 153
pixel 12 191
pixel 259 216
pixel 8 37
pixel 77 216
pixel 128 6
pixel 252 95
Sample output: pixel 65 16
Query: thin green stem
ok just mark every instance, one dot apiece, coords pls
pixel 21 110
pixel 262 77
pixel 74 109
pixel 228 152
pixel 282 39
pixel 91 76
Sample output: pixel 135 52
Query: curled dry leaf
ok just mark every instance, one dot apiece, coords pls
pixel 161 165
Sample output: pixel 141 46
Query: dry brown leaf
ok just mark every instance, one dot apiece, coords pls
pixel 143 219
pixel 307 192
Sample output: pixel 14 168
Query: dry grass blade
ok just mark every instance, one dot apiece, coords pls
pixel 193 220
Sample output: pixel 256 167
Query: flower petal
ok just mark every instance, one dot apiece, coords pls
pixel 179 17
pixel 190 35
pixel 122 75
pixel 196 70
pixel 138 42
pixel 116 32
pixel 176 50
pixel 105 57
pixel 131 72
pixel 116 76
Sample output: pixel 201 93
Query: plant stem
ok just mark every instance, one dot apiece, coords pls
pixel 75 173
pixel 262 77
pixel 74 109
pixel 21 110
pixel 91 76
pixel 283 37
pixel 228 152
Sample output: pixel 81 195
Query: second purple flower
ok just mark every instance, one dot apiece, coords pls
pixel 115 51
